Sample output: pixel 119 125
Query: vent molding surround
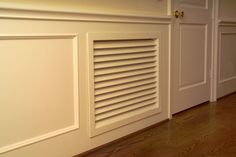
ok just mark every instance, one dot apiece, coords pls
pixel 124 79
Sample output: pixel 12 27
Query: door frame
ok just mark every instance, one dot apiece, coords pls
pixel 214 53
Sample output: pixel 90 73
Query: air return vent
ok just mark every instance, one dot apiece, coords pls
pixel 124 79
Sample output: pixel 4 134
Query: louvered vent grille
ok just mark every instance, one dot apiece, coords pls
pixel 125 80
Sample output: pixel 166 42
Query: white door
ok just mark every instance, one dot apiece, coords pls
pixel 191 51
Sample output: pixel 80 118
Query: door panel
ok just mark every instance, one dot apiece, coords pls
pixel 194 3
pixel 200 9
pixel 191 54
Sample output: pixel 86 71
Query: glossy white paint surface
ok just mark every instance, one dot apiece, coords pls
pixel 191 55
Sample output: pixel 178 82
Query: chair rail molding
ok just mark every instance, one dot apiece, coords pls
pixel 72 15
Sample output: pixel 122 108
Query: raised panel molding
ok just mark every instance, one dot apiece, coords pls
pixel 75 99
pixel 195 4
pixel 230 78
pixel 185 69
pixel 227 22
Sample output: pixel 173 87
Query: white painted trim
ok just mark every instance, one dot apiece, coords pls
pixel 83 10
pixel 169 7
pixel 94 131
pixel 21 13
pixel 37 139
pixel 169 71
pixel 226 21
pixel 220 81
pixel 227 79
pixel 204 80
pixel 214 54
pixel 75 124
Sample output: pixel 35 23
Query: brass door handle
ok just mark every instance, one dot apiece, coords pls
pixel 178 14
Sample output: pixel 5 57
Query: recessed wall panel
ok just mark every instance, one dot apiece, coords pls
pixel 227 9
pixel 38 89
pixel 227 57
pixel 192 55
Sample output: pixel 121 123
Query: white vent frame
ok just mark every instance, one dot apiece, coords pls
pixel 119 36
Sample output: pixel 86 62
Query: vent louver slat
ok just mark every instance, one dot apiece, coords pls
pixel 124 86
pixel 123 62
pixel 128 50
pixel 125 109
pixel 122 57
pixel 125 79
pixel 125 115
pixel 123 43
pixel 124 74
pixel 124 98
pixel 124 92
pixel 123 69
pixel 125 103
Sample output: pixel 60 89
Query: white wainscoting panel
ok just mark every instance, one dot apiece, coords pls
pixel 38 88
pixel 227 63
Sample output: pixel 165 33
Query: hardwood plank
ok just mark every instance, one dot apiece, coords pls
pixel 208 130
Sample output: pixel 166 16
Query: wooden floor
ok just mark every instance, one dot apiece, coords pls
pixel 208 130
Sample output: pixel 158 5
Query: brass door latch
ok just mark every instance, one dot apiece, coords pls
pixel 178 14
